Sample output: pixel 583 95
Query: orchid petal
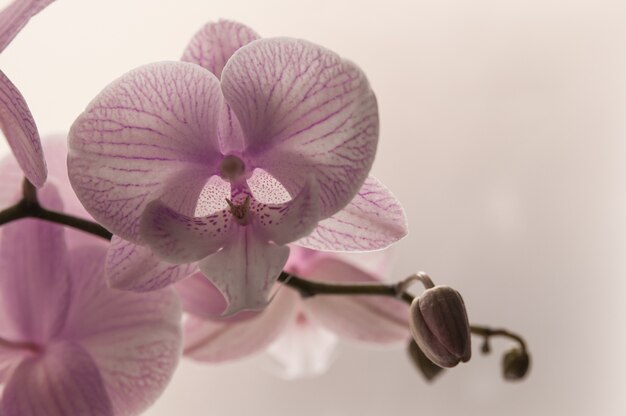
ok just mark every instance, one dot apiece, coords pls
pixel 15 16
pixel 201 298
pixel 33 264
pixel 134 338
pixel 178 238
pixel 245 269
pixel 284 223
pixel 304 111
pixel 305 349
pixel 62 381
pixel 212 341
pixel 362 318
pixel 373 220
pixel 11 183
pixel 133 267
pixel 20 130
pixel 213 45
pixel 151 134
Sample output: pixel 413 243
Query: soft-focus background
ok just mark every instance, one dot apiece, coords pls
pixel 503 134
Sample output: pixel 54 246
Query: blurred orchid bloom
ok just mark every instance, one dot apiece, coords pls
pixel 300 334
pixel 16 120
pixel 224 159
pixel 69 345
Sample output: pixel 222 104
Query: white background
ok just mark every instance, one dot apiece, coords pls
pixel 503 134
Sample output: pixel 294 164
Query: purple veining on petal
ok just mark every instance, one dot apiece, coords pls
pixel 373 220
pixel 20 130
pixel 213 45
pixel 136 268
pixel 138 136
pixel 15 16
pixel 134 338
pixel 304 111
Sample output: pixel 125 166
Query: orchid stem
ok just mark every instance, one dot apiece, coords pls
pixel 29 207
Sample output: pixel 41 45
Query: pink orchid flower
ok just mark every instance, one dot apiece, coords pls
pixel 16 120
pixel 69 345
pixel 224 159
pixel 300 334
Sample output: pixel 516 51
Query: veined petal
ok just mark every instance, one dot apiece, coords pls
pixel 64 380
pixel 211 341
pixel 178 238
pixel 133 267
pixel 20 130
pixel 362 318
pixel 134 338
pixel 213 45
pixel 245 269
pixel 284 223
pixel 34 288
pixel 150 134
pixel 304 349
pixel 15 16
pixel 373 220
pixel 304 111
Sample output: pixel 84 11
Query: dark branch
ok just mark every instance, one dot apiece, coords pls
pixel 29 207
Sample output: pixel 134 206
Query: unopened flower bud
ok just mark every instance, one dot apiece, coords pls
pixel 515 364
pixel 440 326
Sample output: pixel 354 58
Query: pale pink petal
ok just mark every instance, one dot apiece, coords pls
pixel 305 349
pixel 373 220
pixel 55 149
pixel 212 341
pixel 150 134
pixel 134 338
pixel 213 45
pixel 11 183
pixel 34 275
pixel 178 238
pixel 200 297
pixel 10 357
pixel 20 130
pixel 63 381
pixel 284 223
pixel 15 16
pixel 376 319
pixel 304 111
pixel 245 269
pixel 133 267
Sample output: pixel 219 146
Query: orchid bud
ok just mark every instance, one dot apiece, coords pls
pixel 440 327
pixel 515 364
